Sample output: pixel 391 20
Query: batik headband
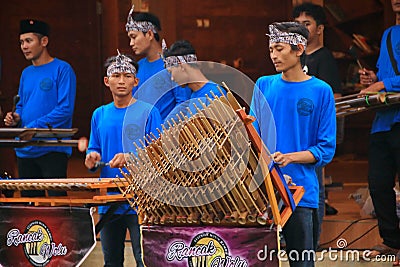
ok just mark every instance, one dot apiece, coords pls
pixel 277 36
pixel 171 61
pixel 122 64
pixel 140 26
pixel 176 60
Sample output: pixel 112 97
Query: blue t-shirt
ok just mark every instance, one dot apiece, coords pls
pixel 157 88
pixel 147 69
pixel 206 90
pixel 304 117
pixel 385 119
pixel 196 99
pixel 47 97
pixel 114 130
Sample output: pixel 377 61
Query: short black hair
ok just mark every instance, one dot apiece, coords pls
pixel 180 48
pixel 292 27
pixel 110 60
pixel 315 11
pixel 150 18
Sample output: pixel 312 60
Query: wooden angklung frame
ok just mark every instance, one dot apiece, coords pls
pixel 208 136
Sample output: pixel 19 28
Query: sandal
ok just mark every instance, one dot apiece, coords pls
pixel 382 249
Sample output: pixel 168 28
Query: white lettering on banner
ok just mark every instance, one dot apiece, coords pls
pixel 228 262
pixel 14 237
pixel 48 251
pixel 178 250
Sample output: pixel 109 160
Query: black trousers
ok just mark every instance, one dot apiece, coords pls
pixel 384 164
pixel 50 165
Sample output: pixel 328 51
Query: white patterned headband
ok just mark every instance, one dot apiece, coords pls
pixel 121 64
pixel 277 36
pixel 140 26
pixel 171 61
pixel 176 60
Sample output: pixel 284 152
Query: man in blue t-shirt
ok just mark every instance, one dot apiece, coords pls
pixel 318 61
pixel 115 128
pixel 384 147
pixel 142 29
pixel 180 60
pixel 47 96
pixel 303 110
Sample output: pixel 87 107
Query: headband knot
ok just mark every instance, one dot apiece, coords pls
pixel 121 64
pixel 140 26
pixel 171 61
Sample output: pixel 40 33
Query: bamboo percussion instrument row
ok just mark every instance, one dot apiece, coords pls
pixel 80 190
pixel 352 104
pixel 22 137
pixel 201 169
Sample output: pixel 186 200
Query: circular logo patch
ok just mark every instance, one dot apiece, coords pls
pixel 132 131
pixel 46 84
pixel 305 107
pixel 41 238
pixel 208 241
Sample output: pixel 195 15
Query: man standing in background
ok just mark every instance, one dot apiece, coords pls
pixel 142 29
pixel 318 61
pixel 384 146
pixel 47 96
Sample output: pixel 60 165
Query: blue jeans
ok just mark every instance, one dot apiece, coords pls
pixel 300 233
pixel 112 238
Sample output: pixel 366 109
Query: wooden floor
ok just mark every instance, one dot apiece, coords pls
pixel 347 228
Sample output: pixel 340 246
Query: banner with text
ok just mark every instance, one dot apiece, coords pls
pixel 45 236
pixel 209 246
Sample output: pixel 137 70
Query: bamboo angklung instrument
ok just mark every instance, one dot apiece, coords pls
pixel 352 104
pixel 201 169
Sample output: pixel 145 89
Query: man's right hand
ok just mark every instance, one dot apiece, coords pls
pixel 367 77
pixel 12 119
pixel 91 159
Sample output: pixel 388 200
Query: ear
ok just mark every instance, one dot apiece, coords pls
pixel 44 41
pixel 136 81
pixel 150 35
pixel 300 50
pixel 106 82
pixel 320 28
pixel 186 67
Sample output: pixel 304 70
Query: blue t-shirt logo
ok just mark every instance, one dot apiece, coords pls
pixel 397 49
pixel 305 107
pixel 132 131
pixel 46 84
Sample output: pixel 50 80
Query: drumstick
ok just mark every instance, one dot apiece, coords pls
pixel 353 53
pixel 15 101
pixel 83 146
pixel 99 165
